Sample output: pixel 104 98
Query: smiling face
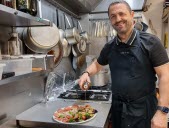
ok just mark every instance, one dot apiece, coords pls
pixel 121 18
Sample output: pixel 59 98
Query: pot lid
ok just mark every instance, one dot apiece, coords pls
pixel 44 36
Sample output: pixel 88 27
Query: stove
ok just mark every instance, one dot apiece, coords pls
pixel 94 93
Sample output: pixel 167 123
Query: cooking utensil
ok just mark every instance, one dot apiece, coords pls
pixel 78 61
pixel 65 44
pixel 74 63
pixel 138 26
pixel 41 39
pixel 145 26
pixel 58 53
pixel 80 48
pixel 63 40
pixel 96 28
pixel 72 35
pixel 83 34
pixel 100 79
pixel 66 48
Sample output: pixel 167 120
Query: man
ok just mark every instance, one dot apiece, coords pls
pixel 134 59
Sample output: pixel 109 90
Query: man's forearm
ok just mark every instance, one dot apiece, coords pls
pixel 94 68
pixel 164 91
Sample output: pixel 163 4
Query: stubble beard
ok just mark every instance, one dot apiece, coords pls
pixel 123 30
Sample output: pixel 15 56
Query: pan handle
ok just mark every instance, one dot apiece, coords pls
pixel 67 21
pixel 80 26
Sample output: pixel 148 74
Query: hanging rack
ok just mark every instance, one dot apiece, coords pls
pixel 98 19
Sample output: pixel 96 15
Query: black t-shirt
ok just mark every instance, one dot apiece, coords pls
pixel 151 45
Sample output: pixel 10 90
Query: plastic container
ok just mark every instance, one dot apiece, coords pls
pixel 19 66
pixel 1 70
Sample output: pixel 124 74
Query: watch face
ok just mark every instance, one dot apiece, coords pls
pixel 165 109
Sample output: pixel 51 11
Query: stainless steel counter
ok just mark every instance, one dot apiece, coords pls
pixel 19 93
pixel 41 114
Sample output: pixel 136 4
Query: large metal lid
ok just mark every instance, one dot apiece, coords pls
pixel 44 36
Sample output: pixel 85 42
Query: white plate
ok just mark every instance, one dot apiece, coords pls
pixel 74 122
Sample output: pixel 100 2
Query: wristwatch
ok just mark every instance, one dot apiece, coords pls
pixel 163 109
pixel 86 72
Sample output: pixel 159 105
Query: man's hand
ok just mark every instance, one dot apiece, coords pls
pixel 159 120
pixel 83 79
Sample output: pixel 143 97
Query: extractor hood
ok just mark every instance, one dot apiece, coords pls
pixel 78 7
pixel 135 5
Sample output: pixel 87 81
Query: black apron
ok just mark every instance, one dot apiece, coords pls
pixel 133 86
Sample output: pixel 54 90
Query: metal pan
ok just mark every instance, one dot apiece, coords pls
pixel 80 48
pixel 83 34
pixel 66 48
pixel 78 62
pixel 57 51
pixel 138 26
pixel 65 44
pixel 72 34
pixel 41 39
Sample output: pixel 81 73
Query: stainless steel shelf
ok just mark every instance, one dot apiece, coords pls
pixel 14 18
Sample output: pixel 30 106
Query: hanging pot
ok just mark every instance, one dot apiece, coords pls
pixel 66 46
pixel 57 51
pixel 138 26
pixel 61 34
pixel 72 36
pixel 78 61
pixel 71 33
pixel 84 35
pixel 74 63
pixel 72 40
pixel 145 26
pixel 80 48
pixel 41 39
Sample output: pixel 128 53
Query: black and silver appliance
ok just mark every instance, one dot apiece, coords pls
pixel 95 93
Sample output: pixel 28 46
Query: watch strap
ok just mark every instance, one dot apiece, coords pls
pixel 163 109
pixel 86 72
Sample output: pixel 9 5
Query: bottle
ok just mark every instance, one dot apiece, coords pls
pixel 8 3
pixel 14 4
pixel 33 7
pixel 23 5
pixel 86 85
pixel 14 44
